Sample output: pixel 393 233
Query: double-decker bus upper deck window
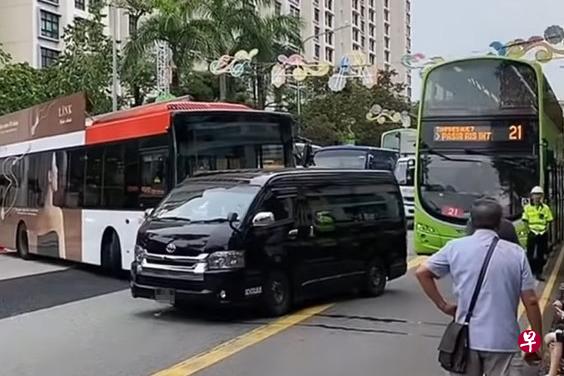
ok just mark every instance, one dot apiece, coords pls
pixel 481 87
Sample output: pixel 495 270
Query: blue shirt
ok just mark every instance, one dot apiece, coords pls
pixel 494 325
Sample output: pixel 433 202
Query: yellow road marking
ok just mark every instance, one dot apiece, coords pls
pixel 548 287
pixel 229 348
pixel 225 350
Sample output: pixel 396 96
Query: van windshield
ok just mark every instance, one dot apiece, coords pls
pixel 203 202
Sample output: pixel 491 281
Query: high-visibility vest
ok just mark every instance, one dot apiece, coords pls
pixel 538 217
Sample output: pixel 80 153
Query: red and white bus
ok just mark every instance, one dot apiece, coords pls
pixel 76 188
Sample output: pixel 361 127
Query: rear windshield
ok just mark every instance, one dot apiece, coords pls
pixel 355 159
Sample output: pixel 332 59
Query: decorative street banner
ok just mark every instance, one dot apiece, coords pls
pixel 380 115
pixel 297 68
pixel 233 65
pixel 353 65
pixel 546 48
pixel 419 61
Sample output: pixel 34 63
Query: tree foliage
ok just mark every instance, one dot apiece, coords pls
pixel 86 62
pixel 328 117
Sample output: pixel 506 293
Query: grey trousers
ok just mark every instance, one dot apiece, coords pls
pixel 488 363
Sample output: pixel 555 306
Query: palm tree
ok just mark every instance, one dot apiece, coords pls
pixel 174 22
pixel 245 25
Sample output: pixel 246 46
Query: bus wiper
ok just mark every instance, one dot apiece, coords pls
pixel 446 157
pixel 506 159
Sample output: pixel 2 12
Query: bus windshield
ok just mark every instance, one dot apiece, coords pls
pixel 341 158
pixel 480 87
pixel 226 141
pixel 449 183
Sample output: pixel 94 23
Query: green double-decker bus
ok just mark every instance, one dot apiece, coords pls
pixel 488 126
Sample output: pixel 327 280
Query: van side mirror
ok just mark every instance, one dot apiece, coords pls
pixel 148 212
pixel 232 217
pixel 263 219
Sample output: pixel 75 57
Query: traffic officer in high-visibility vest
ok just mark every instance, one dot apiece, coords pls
pixel 537 217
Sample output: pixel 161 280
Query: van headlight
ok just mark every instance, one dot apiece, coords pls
pixel 140 253
pixel 226 260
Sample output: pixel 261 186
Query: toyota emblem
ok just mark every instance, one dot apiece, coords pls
pixel 170 248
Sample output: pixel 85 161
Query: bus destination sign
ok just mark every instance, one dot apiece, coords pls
pixel 478 133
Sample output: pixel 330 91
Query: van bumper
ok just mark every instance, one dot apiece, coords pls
pixel 397 269
pixel 217 287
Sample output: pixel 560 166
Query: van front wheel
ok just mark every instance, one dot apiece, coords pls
pixel 276 294
pixel 375 279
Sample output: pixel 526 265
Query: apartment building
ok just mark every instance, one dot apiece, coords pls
pixel 333 28
pixel 32 30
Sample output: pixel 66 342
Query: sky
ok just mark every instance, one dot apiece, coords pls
pixel 457 28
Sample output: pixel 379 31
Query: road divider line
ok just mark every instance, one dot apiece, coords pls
pixel 229 348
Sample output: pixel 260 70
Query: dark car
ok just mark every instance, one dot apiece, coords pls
pixel 272 237
pixel 356 157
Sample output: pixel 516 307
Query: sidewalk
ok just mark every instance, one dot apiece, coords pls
pixel 11 266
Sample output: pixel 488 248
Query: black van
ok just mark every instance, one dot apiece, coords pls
pixel 274 237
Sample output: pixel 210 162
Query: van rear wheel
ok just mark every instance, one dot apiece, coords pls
pixel 276 294
pixel 375 278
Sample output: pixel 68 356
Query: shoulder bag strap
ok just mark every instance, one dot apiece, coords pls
pixel 480 280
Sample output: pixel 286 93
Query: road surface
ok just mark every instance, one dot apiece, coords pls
pixel 60 319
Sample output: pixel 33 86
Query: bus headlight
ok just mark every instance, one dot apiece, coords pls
pixel 425 228
pixel 140 253
pixel 226 260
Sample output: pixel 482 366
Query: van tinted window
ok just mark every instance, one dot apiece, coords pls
pixel 356 203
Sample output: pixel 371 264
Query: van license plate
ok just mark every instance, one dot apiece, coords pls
pixel 164 296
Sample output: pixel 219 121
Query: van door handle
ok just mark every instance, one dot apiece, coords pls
pixel 293 234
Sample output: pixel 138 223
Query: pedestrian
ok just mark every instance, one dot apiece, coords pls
pixel 505 276
pixel 506 230
pixel 537 216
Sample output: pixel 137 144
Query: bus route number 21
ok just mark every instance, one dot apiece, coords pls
pixel 516 132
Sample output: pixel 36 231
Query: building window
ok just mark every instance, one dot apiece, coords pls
pixel 387 56
pixel 329 54
pixel 278 8
pixel 356 19
pixel 387 42
pixel 371 30
pixel 80 4
pixel 387 29
pixel 316 15
pixel 329 37
pixel 317 31
pixel 132 24
pixel 387 3
pixel 386 15
pixel 328 20
pixel 372 58
pixel 317 52
pixel 371 3
pixel 49 25
pixel 371 14
pixel 294 11
pixel 48 56
pixel 363 42
pixel 372 44
pixel 329 4
pixel 356 35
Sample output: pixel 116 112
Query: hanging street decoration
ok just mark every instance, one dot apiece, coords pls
pixel 353 65
pixel 233 65
pixel 381 115
pixel 419 61
pixel 296 67
pixel 545 48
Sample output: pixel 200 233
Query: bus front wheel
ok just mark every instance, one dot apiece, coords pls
pixel 22 242
pixel 111 253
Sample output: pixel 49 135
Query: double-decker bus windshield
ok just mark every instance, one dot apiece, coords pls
pixel 489 153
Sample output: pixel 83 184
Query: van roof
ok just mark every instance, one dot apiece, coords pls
pixel 262 177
